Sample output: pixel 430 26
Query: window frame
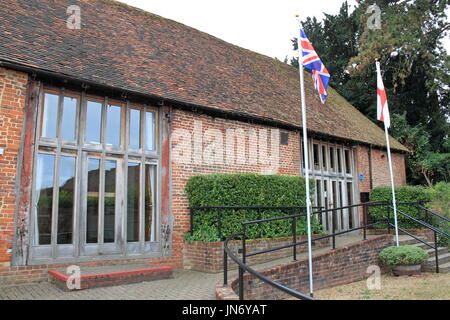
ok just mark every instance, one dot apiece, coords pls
pixel 81 151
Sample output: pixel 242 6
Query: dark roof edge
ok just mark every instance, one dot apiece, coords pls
pixel 180 104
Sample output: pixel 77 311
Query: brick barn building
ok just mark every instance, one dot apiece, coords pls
pixel 102 125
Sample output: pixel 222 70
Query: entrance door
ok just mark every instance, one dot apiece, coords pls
pixel 101 205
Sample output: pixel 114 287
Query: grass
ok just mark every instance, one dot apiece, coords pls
pixel 427 286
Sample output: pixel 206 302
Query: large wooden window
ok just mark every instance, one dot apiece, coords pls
pixel 95 178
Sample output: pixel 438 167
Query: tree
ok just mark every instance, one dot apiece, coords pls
pixel 416 68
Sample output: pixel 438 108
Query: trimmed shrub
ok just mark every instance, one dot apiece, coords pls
pixel 403 255
pixel 246 190
pixel 402 194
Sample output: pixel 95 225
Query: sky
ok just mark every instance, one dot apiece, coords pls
pixel 263 26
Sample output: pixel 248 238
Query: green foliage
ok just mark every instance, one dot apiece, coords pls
pixel 439 197
pixel 403 255
pixel 425 166
pixel 402 194
pixel 246 190
pixel 415 65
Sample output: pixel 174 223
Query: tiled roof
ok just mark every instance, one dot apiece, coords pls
pixel 130 49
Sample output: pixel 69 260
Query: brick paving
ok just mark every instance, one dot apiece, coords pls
pixel 186 285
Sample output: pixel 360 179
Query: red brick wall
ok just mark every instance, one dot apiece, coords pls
pixel 13 90
pixel 337 267
pixel 182 120
pixel 208 256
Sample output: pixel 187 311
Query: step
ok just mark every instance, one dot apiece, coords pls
pixel 443 258
pixel 430 251
pixel 443 267
pixel 409 241
pixel 109 275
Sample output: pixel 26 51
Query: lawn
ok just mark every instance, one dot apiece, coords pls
pixel 427 286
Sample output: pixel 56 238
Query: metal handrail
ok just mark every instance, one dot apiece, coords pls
pixel 428 226
pixel 433 213
pixel 243 266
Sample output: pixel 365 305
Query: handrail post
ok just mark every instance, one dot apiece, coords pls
pixel 225 267
pixel 219 223
pixel 294 236
pixel 364 221
pixel 241 283
pixel 333 212
pixel 436 255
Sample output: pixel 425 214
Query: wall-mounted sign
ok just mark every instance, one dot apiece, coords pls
pixel 361 177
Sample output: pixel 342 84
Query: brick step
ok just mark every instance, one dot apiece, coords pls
pixel 430 251
pixel 410 241
pixel 443 258
pixel 109 275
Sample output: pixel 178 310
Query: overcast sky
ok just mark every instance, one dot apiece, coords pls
pixel 264 26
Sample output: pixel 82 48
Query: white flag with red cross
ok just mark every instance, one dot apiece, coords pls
pixel 382 104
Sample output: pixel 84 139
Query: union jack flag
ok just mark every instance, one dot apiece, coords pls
pixel 311 61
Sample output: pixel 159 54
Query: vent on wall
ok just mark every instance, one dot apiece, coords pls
pixel 284 138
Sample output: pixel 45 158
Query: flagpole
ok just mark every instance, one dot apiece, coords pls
pixel 392 184
pixel 394 204
pixel 306 161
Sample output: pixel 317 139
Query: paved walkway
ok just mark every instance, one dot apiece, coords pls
pixel 186 285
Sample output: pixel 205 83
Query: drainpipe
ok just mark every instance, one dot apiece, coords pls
pixel 370 167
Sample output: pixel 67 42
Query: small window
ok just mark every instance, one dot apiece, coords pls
pixel 135 129
pixel 69 116
pixel 50 116
pixel 324 158
pixel 150 131
pixel 332 158
pixel 93 121
pixel 113 125
pixel 316 156
pixel 348 166
pixel 339 161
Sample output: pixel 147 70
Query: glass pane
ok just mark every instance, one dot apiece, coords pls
pixel 50 116
pixel 150 130
pixel 135 129
pixel 303 155
pixel 350 202
pixel 332 158
pixel 44 198
pixel 110 200
pixel 66 199
pixel 113 127
pixel 133 202
pixel 316 156
pixel 92 200
pixel 69 117
pixel 341 204
pixel 335 204
pixel 324 158
pixel 93 121
pixel 339 155
pixel 149 202
pixel 348 167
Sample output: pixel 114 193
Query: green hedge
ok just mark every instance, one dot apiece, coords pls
pixel 402 194
pixel 439 197
pixel 246 190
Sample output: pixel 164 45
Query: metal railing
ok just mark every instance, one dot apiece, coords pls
pixel 219 212
pixel 426 225
pixel 243 267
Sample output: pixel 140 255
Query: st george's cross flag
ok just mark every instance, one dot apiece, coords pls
pixel 311 61
pixel 382 104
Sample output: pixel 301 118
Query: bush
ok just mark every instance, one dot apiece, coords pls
pixel 402 194
pixel 246 190
pixel 403 255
